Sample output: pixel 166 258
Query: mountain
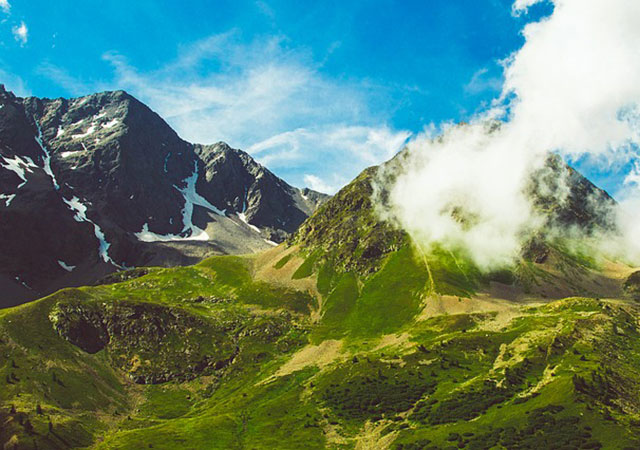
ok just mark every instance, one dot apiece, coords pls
pixel 347 335
pixel 347 233
pixel 100 183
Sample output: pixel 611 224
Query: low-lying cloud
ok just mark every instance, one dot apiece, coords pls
pixel 573 89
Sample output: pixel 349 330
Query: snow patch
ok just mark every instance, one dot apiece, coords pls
pixel 70 154
pixel 242 217
pixel 80 210
pixel 8 198
pixel 275 244
pixel 19 166
pixel 66 266
pixel 149 236
pixel 23 283
pixel 192 198
pixel 110 124
pixel 89 131
pixel 47 156
pixel 166 160
pixel 190 232
pixel 60 132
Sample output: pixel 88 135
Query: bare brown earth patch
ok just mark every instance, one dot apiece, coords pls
pixel 264 270
pixel 312 355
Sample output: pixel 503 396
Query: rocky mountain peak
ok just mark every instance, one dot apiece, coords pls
pixel 111 173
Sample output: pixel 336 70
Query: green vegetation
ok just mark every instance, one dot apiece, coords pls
pixel 306 268
pixel 347 231
pixel 285 259
pixel 208 355
pixel 401 345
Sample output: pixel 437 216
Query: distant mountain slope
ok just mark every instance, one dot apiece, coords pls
pixel 92 184
pixel 348 234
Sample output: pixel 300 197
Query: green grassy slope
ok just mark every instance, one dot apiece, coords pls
pixel 393 346
pixel 372 369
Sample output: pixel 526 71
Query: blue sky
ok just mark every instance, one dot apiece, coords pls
pixel 316 91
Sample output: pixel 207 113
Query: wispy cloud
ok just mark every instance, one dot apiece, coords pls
pixel 483 81
pixel 5 6
pixel 318 184
pixel 71 84
pixel 21 33
pixel 14 83
pixel 335 152
pixel 265 97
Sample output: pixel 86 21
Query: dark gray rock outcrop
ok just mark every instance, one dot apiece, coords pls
pixel 93 184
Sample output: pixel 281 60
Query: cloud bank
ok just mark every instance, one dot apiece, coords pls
pixel 571 89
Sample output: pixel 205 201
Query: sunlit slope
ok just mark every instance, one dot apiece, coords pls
pixel 347 235
pixel 309 346
pixel 212 356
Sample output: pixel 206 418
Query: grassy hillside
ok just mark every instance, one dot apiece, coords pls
pixel 213 356
pixel 348 336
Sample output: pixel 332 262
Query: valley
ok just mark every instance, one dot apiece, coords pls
pixel 215 355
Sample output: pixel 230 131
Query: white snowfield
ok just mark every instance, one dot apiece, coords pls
pixel 71 153
pixel 190 232
pixel 112 123
pixel 19 166
pixel 8 198
pixel 243 217
pixel 89 131
pixel 80 211
pixel 149 236
pixel 66 266
pixel 46 158
pixel 23 165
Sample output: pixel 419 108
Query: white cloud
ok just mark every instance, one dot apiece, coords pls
pixel 14 83
pixel 343 150
pixel 5 6
pixel 67 81
pixel 21 33
pixel 264 97
pixel 521 6
pixel 482 81
pixel 572 88
pixel 319 185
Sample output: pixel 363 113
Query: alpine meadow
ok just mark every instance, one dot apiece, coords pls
pixel 462 270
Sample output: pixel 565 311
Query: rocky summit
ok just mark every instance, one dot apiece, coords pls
pixel 100 183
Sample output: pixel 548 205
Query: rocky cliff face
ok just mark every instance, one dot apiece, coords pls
pixel 136 337
pixel 92 184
